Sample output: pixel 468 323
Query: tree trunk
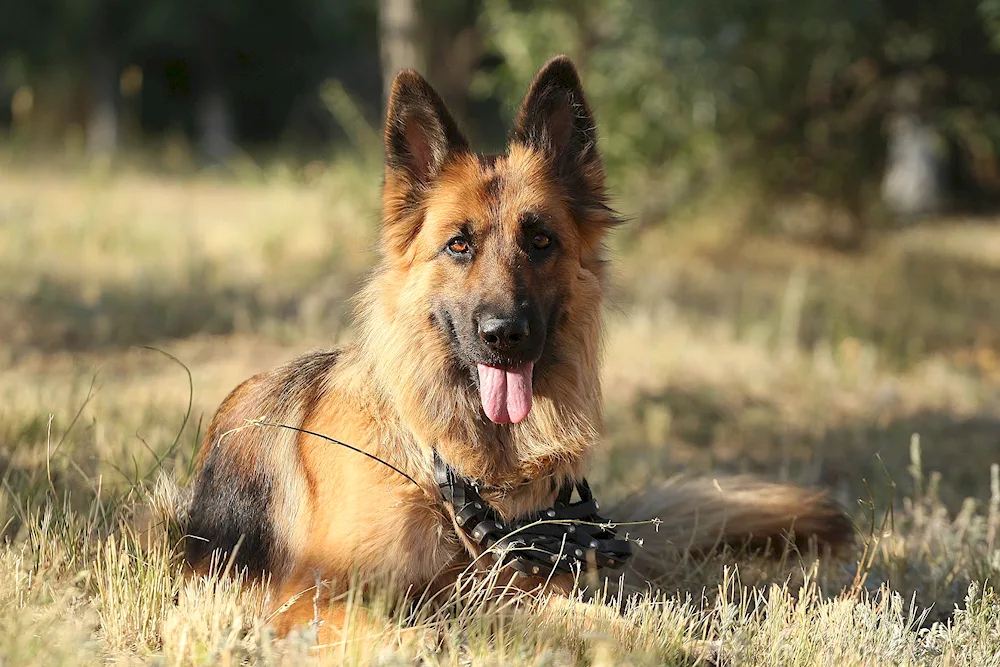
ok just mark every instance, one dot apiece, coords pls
pixel 102 114
pixel 399 40
pixel 214 113
pixel 216 140
pixel 912 181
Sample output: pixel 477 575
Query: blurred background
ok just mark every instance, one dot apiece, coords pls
pixel 871 107
pixel 809 276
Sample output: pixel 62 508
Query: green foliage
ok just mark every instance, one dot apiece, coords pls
pixel 650 93
pixel 791 96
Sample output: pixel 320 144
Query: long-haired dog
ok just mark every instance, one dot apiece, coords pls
pixel 470 402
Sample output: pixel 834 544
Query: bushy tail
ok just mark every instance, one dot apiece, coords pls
pixel 703 515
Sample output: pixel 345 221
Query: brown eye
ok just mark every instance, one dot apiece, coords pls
pixel 541 241
pixel 458 246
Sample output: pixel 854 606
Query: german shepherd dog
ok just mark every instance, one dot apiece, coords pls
pixel 477 349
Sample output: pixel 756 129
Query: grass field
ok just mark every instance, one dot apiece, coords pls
pixel 876 376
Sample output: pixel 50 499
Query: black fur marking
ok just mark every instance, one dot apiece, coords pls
pixel 530 221
pixel 550 355
pixel 228 508
pixel 234 499
pixel 488 160
pixel 492 188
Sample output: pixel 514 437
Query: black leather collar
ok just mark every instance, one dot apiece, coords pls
pixel 569 537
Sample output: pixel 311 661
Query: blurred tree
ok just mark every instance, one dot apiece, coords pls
pixel 214 112
pixel 454 51
pixel 102 118
pixel 790 97
pixel 399 40
pixel 798 100
pixel 911 183
pixel 220 72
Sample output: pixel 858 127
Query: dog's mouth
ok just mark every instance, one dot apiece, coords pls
pixel 505 386
pixel 505 392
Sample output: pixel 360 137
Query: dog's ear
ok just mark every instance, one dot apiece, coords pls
pixel 556 120
pixel 420 138
pixel 420 134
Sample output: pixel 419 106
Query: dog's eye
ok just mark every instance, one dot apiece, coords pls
pixel 458 246
pixel 541 241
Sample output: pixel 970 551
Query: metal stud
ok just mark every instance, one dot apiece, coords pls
pixel 579 553
pixel 479 506
pixel 554 558
pixel 460 520
pixel 534 570
pixel 594 544
pixel 611 561
pixel 597 505
pixel 571 529
pixel 477 534
pixel 500 526
pixel 550 513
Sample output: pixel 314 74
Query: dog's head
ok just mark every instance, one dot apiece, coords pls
pixel 499 251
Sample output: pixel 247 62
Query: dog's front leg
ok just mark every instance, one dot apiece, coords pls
pixel 335 622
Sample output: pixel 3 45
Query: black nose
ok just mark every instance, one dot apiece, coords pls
pixel 504 334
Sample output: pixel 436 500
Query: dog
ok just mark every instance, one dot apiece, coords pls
pixel 473 382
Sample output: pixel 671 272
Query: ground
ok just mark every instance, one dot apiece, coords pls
pixel 874 375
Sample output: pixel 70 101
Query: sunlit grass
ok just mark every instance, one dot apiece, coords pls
pixel 82 586
pixel 717 359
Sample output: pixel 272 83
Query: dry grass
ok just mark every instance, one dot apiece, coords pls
pixel 751 356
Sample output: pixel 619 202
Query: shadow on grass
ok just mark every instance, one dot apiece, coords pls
pixel 60 315
pixel 908 305
pixel 27 487
pixel 701 431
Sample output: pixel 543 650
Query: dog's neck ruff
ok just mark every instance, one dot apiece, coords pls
pixel 567 538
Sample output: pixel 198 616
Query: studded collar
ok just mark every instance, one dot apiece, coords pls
pixel 569 537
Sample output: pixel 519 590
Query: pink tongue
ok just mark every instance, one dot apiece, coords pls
pixel 506 394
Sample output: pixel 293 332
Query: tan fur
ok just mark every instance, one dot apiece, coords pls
pixel 395 394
